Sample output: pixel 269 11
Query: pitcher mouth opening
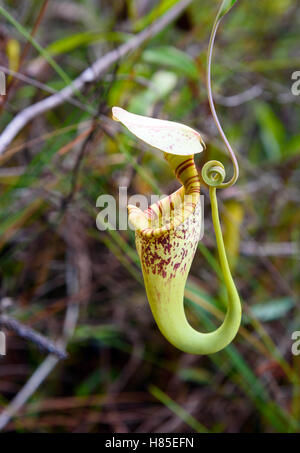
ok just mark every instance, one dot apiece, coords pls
pixel 165 215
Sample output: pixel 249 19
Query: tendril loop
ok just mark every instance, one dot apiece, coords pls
pixel 213 173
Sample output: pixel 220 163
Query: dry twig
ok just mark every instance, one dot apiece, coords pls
pixel 29 334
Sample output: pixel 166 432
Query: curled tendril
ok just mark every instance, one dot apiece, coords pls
pixel 214 166
pixel 213 173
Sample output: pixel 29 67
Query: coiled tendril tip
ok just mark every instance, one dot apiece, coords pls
pixel 213 173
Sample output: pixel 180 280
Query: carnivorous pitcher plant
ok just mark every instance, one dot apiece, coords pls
pixel 167 233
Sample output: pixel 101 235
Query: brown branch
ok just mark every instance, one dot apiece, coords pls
pixel 29 334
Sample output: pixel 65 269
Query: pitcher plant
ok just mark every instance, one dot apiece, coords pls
pixel 167 233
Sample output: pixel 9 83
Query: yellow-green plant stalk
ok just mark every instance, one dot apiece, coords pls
pixel 232 220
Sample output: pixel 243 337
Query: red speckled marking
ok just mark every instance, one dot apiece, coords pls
pixel 172 252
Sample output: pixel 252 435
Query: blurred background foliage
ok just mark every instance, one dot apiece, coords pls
pixel 121 375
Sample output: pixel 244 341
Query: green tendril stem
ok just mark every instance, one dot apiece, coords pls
pixel 221 185
pixel 213 173
pixel 228 280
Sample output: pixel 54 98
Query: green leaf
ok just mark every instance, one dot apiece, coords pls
pixel 162 7
pixel 293 145
pixel 272 132
pixel 274 309
pixel 101 332
pixel 69 43
pixel 198 375
pixel 91 383
pixel 173 58
pixel 225 7
pixel 177 409
pixel 161 84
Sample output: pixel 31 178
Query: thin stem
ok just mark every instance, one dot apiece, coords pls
pixel 212 106
pixel 228 280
